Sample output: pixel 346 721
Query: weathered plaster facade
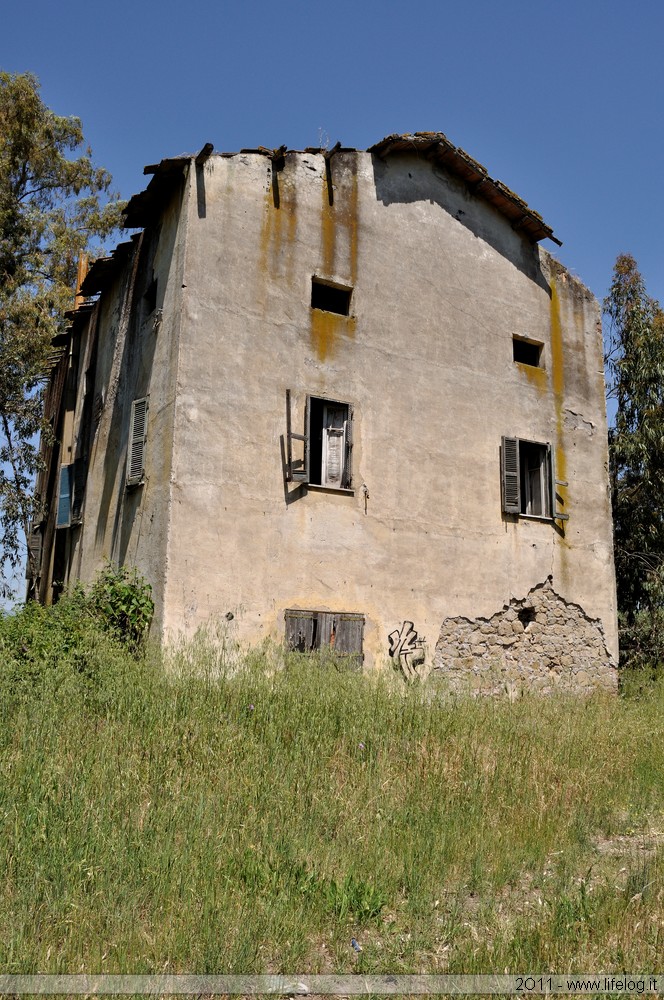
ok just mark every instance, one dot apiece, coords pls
pixel 208 315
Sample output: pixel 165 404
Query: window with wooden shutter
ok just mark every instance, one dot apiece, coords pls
pixel 137 438
pixel 339 631
pixel 326 447
pixel 63 515
pixel 528 479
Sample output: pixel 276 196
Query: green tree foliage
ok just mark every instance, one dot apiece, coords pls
pixel 635 365
pixel 54 206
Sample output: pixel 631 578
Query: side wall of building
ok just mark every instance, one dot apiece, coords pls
pixel 440 286
pixel 131 350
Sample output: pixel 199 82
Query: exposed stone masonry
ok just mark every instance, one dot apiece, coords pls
pixel 540 643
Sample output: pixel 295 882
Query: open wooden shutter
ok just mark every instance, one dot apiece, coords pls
pixel 63 517
pixel 510 477
pixel 556 515
pixel 137 437
pixel 333 458
pixel 35 540
pixel 297 470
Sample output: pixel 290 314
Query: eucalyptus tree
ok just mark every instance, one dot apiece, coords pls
pixel 54 206
pixel 635 370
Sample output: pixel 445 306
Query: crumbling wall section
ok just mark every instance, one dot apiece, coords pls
pixel 540 643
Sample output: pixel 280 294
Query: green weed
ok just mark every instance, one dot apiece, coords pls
pixel 218 816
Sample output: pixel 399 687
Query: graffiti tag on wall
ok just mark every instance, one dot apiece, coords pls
pixel 407 648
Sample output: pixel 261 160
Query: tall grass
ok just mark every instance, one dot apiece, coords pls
pixel 205 820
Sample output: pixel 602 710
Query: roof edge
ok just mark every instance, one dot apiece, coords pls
pixel 436 147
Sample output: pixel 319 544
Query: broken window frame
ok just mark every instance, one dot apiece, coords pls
pixel 342 632
pixel 300 470
pixel 517 495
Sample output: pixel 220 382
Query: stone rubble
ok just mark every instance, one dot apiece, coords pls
pixel 540 643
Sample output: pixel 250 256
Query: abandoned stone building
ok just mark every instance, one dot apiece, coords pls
pixel 342 398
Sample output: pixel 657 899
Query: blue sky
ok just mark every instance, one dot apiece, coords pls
pixel 561 101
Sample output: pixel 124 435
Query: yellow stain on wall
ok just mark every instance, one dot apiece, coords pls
pixel 338 257
pixel 267 226
pixel 536 376
pixel 279 230
pixel 558 384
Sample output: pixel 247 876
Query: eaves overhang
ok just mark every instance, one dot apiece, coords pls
pixel 102 271
pixel 437 148
pixel 144 208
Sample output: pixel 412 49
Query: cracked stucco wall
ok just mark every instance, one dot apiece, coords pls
pixel 540 643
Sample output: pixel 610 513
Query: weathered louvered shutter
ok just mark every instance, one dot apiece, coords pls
pixel 334 445
pixel 349 634
pixel 301 473
pixel 35 540
pixel 79 481
pixel 63 517
pixel 301 631
pixel 137 437
pixel 509 454
pixel 97 409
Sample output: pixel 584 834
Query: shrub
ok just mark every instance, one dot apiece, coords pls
pixel 122 599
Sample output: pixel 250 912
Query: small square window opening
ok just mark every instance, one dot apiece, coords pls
pixel 330 298
pixel 527 352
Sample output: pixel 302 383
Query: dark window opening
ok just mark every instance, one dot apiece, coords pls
pixel 341 632
pixel 526 616
pixel 526 352
pixel 59 565
pixel 535 488
pixel 331 298
pixel 150 297
pixel 329 440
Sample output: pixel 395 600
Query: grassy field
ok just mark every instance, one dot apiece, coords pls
pixel 161 820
